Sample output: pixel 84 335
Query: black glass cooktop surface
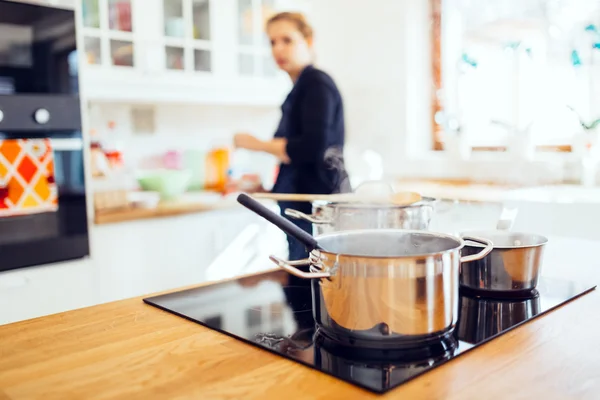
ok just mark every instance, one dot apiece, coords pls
pixel 274 312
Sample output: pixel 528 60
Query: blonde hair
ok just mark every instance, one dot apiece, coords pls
pixel 297 19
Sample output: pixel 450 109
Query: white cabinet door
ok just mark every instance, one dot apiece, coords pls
pixel 187 33
pixel 224 13
pixel 148 19
pixel 251 45
pixel 109 33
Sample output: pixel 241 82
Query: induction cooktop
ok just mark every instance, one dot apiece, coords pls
pixel 273 311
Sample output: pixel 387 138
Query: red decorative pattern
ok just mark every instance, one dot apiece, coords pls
pixel 3 196
pixel 27 168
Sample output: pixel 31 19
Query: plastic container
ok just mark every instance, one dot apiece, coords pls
pixel 169 183
pixel 195 161
pixel 217 169
pixel 173 159
pixel 143 199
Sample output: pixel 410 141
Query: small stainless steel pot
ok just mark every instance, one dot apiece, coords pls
pixel 385 284
pixel 512 267
pixel 330 217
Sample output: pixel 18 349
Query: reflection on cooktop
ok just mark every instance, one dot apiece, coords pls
pixel 481 319
pixel 274 312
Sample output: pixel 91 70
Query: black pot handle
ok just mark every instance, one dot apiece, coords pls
pixel 285 225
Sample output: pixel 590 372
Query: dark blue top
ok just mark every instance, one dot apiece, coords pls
pixel 312 121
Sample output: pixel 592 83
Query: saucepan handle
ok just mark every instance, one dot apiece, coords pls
pixel 290 266
pixel 507 218
pixel 290 212
pixel 489 246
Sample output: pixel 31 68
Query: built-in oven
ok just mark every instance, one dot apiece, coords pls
pixel 43 213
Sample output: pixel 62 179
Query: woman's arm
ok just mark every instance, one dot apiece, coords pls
pixel 275 146
pixel 318 115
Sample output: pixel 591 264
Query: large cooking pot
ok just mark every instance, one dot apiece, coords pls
pixel 330 217
pixel 385 284
pixel 512 268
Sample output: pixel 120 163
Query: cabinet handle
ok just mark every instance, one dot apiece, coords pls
pixel 67 144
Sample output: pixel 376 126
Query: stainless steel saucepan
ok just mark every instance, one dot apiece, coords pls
pixel 512 268
pixel 330 217
pixel 385 284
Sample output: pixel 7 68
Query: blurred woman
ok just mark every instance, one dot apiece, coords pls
pixel 309 140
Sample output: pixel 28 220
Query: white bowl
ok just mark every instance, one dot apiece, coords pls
pixel 144 199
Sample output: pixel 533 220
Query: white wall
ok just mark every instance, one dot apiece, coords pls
pixel 182 127
pixel 378 55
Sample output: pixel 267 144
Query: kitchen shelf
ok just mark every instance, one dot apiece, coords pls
pixel 128 86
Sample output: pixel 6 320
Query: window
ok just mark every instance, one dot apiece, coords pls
pixel 504 68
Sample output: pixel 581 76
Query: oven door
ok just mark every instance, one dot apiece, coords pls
pixel 43 214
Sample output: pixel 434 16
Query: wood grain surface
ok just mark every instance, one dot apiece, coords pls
pixel 130 350
pixel 398 198
pixel 162 210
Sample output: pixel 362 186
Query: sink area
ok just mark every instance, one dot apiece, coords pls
pixel 466 190
pixel 556 194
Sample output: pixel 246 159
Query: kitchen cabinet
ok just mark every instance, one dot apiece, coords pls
pixel 195 247
pixel 253 53
pixel 187 34
pixel 198 51
pixel 108 33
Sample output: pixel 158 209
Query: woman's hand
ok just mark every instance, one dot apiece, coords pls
pixel 276 146
pixel 247 141
pixel 248 183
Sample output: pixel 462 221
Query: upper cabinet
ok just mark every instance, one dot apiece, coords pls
pixel 108 33
pixel 213 51
pixel 252 44
pixel 187 34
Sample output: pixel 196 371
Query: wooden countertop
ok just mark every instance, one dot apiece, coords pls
pixel 489 192
pixel 457 189
pixel 164 209
pixel 130 350
pixel 462 190
pixel 454 189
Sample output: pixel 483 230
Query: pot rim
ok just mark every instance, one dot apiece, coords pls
pixel 424 202
pixel 485 235
pixel 458 239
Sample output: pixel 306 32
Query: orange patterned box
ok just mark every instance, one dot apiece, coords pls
pixel 27 182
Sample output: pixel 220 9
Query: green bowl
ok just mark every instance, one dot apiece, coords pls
pixel 168 183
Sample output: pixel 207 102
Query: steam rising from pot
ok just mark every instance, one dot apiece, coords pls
pixel 334 160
